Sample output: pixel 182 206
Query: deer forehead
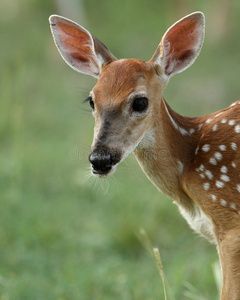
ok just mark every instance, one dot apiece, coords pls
pixel 123 78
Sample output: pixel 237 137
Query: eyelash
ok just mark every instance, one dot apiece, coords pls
pixel 87 100
pixel 90 101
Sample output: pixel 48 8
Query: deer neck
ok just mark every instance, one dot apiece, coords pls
pixel 166 150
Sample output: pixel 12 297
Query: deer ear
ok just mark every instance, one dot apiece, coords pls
pixel 80 50
pixel 180 45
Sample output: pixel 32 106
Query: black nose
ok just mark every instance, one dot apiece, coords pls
pixel 102 161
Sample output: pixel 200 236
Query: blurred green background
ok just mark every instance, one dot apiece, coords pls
pixel 64 235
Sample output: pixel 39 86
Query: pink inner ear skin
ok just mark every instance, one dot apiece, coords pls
pixel 183 36
pixel 181 44
pixel 76 42
pixel 73 31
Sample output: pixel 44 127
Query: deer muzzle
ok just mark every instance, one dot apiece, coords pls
pixel 103 160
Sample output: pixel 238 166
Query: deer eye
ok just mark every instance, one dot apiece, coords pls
pixel 90 100
pixel 91 103
pixel 140 104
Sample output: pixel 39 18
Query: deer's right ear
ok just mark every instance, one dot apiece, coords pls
pixel 81 51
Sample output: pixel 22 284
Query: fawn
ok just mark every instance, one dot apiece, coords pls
pixel 200 172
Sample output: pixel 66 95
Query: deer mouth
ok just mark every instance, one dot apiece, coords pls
pixel 103 173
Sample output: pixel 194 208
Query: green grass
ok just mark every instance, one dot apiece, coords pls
pixel 63 236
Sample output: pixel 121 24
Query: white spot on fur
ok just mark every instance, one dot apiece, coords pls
pixel 219 184
pixel 224 169
pixel 213 161
pixel 180 166
pixel 206 148
pixel 238 187
pixel 192 130
pixel 215 127
pixel 206 186
pixel 233 165
pixel 202 175
pixel 214 198
pixel 208 120
pixel 231 122
pixel 234 146
pixel 183 131
pixel 218 155
pixel 196 151
pixel 209 174
pixel 233 206
pixel 233 104
pixel 223 202
pixel 224 120
pixel 237 128
pixel 222 147
pixel 225 178
pixel 200 168
pixel 200 126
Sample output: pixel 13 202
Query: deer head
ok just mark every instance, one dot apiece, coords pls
pixel 126 98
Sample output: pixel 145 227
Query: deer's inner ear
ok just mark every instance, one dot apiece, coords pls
pixel 81 51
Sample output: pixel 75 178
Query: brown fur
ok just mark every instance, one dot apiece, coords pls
pixel 195 161
pixel 160 159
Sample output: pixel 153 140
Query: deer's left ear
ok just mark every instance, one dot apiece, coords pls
pixel 81 51
pixel 180 45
